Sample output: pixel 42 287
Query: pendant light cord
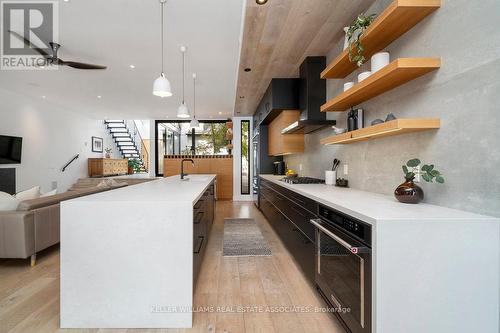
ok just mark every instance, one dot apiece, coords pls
pixel 183 75
pixel 162 10
pixel 194 97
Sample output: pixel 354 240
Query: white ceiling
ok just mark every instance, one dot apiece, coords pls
pixel 118 33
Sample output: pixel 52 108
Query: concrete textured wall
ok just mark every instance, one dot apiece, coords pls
pixel 464 93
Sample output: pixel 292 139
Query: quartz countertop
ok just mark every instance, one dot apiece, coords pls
pixel 169 189
pixel 373 207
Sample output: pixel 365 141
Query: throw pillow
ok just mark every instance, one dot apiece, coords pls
pixel 102 183
pixel 49 193
pixel 8 202
pixel 32 193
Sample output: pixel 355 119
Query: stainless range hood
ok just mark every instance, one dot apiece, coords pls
pixel 312 96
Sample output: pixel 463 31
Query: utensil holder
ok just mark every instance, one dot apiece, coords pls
pixel 330 177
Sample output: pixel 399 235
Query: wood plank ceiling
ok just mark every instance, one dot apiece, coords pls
pixel 278 36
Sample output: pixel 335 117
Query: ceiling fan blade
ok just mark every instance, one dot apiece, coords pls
pixel 80 65
pixel 28 43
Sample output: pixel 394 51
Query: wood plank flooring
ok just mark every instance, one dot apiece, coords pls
pixel 29 296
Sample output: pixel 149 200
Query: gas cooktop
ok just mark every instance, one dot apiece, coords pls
pixel 302 180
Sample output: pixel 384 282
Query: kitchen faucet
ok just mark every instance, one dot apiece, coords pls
pixel 182 166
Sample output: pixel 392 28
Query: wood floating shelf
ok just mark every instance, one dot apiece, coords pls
pixel 390 128
pixel 393 22
pixel 391 76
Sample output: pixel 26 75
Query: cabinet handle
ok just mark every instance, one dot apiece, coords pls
pixel 200 244
pixel 306 239
pixel 198 220
pixel 297 211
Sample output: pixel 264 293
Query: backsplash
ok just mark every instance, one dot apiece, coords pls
pixel 463 93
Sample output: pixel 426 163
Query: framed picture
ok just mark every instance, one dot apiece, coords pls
pixel 97 144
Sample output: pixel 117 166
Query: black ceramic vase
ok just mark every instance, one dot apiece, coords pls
pixel 409 193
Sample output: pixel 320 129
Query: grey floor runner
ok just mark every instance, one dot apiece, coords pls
pixel 242 237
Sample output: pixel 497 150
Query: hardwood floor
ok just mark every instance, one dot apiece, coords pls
pixel 29 297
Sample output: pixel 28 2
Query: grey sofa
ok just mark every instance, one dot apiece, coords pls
pixel 34 226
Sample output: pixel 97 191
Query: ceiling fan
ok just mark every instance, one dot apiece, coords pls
pixel 53 59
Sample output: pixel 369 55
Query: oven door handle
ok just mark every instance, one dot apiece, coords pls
pixel 352 249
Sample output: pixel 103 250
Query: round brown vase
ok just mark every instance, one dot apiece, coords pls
pixel 409 193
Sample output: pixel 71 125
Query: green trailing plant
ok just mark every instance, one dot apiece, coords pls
pixel 354 34
pixel 427 171
pixel 134 164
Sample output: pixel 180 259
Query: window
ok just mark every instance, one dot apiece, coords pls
pixel 176 138
pixel 245 157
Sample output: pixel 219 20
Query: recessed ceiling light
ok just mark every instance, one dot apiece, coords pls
pixel 261 2
pixel 44 96
pixel 220 112
pixel 99 96
pixel 66 0
pixel 248 69
pixel 132 66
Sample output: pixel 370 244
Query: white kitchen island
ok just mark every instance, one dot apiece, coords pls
pixel 127 255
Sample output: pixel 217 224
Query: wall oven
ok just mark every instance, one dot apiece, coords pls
pixel 343 267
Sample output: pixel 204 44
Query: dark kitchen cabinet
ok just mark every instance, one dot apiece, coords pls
pixel 290 220
pixel 203 217
pixel 281 94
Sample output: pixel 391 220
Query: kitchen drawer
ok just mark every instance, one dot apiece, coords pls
pixel 199 247
pixel 301 248
pixel 301 218
pixel 299 199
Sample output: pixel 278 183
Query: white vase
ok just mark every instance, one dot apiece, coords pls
pixel 346 40
pixel 364 75
pixel 348 85
pixel 379 61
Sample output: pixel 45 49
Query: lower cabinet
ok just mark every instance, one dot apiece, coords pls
pixel 101 167
pixel 292 226
pixel 203 217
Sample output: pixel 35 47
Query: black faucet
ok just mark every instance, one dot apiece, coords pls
pixel 182 166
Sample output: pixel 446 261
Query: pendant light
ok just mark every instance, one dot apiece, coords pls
pixel 194 122
pixel 183 111
pixel 161 86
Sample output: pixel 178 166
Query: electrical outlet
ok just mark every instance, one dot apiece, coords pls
pixel 300 167
pixel 417 174
pixel 346 169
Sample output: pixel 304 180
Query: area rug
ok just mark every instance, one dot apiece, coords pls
pixel 242 238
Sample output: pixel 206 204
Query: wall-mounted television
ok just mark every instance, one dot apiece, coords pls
pixel 10 149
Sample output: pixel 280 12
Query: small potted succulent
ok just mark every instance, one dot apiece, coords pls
pixel 108 152
pixel 409 192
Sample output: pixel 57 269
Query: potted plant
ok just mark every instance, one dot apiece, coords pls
pixel 133 166
pixel 108 152
pixel 354 33
pixel 409 192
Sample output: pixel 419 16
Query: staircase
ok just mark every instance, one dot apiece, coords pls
pixel 126 140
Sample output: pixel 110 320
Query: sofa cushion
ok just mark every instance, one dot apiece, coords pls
pixel 46 201
pixel 29 194
pixel 8 202
pixel 49 193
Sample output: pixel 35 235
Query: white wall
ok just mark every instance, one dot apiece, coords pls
pixel 51 137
